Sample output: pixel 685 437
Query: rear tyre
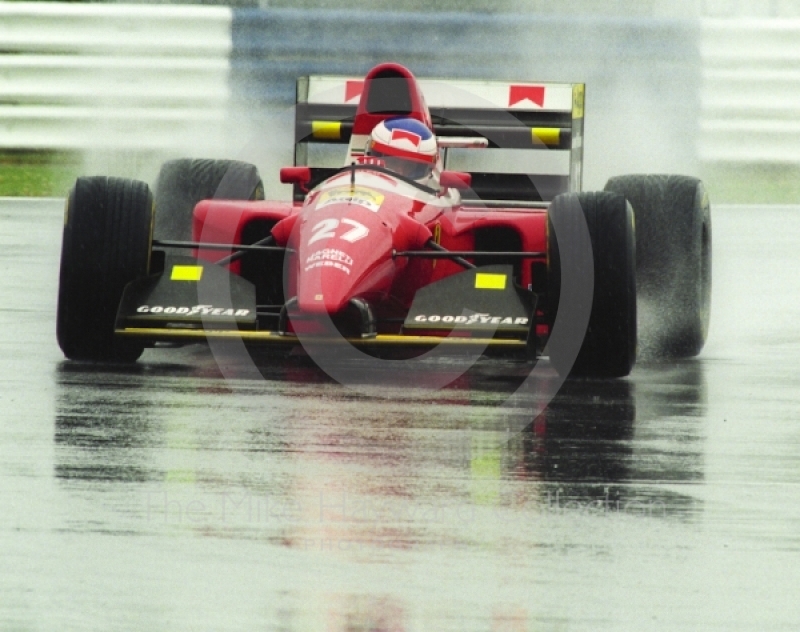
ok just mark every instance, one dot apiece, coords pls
pixel 185 182
pixel 673 259
pixel 608 349
pixel 106 244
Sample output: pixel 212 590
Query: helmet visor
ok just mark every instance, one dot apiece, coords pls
pixel 408 168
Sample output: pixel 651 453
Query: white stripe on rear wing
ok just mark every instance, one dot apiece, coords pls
pixel 455 93
pixel 462 142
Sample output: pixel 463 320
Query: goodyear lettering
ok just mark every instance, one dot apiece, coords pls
pixel 473 319
pixel 196 310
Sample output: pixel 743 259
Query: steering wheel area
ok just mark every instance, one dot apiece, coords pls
pixel 377 168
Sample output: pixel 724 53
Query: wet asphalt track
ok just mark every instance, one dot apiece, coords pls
pixel 164 497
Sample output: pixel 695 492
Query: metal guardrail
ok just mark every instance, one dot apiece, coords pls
pixel 751 91
pixel 167 77
pixel 89 76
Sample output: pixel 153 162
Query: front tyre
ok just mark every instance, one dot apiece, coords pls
pixel 106 244
pixel 608 349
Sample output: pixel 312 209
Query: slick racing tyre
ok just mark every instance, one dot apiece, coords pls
pixel 183 183
pixel 608 349
pixel 106 245
pixel 673 259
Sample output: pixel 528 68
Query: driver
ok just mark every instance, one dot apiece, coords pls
pixel 406 146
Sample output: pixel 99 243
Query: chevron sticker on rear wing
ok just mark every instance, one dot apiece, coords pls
pixel 451 93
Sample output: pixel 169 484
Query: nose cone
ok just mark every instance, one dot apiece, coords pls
pixel 343 253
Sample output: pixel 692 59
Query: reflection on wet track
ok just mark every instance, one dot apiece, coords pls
pixel 165 497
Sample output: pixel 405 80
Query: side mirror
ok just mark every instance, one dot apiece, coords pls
pixel 296 175
pixel 460 180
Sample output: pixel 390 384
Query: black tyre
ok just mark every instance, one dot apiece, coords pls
pixel 106 244
pixel 673 259
pixel 608 348
pixel 183 183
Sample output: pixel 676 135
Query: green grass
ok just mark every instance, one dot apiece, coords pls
pixel 37 173
pixel 730 183
pixel 51 174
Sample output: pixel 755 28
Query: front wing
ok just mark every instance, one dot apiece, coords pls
pixel 194 301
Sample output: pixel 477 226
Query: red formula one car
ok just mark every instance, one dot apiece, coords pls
pixel 451 214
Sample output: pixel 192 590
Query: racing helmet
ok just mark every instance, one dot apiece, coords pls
pixel 406 146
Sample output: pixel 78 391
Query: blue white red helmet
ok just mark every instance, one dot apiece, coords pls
pixel 406 145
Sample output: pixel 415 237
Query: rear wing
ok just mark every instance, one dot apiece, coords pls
pixel 534 133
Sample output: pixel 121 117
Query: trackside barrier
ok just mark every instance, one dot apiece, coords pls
pixel 751 91
pixel 660 93
pixel 130 77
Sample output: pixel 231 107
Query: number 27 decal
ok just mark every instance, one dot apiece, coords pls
pixel 327 229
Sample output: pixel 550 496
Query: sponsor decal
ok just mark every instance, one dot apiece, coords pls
pixel 472 319
pixel 196 310
pixel 329 258
pixel 577 100
pixel 534 94
pixel 369 199
pixel 437 233
pixel 437 238
pixel 330 254
pixel 328 264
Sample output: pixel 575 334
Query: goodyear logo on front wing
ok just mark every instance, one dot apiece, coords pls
pixel 485 281
pixel 473 320
pixel 367 198
pixel 186 273
pixel 194 310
